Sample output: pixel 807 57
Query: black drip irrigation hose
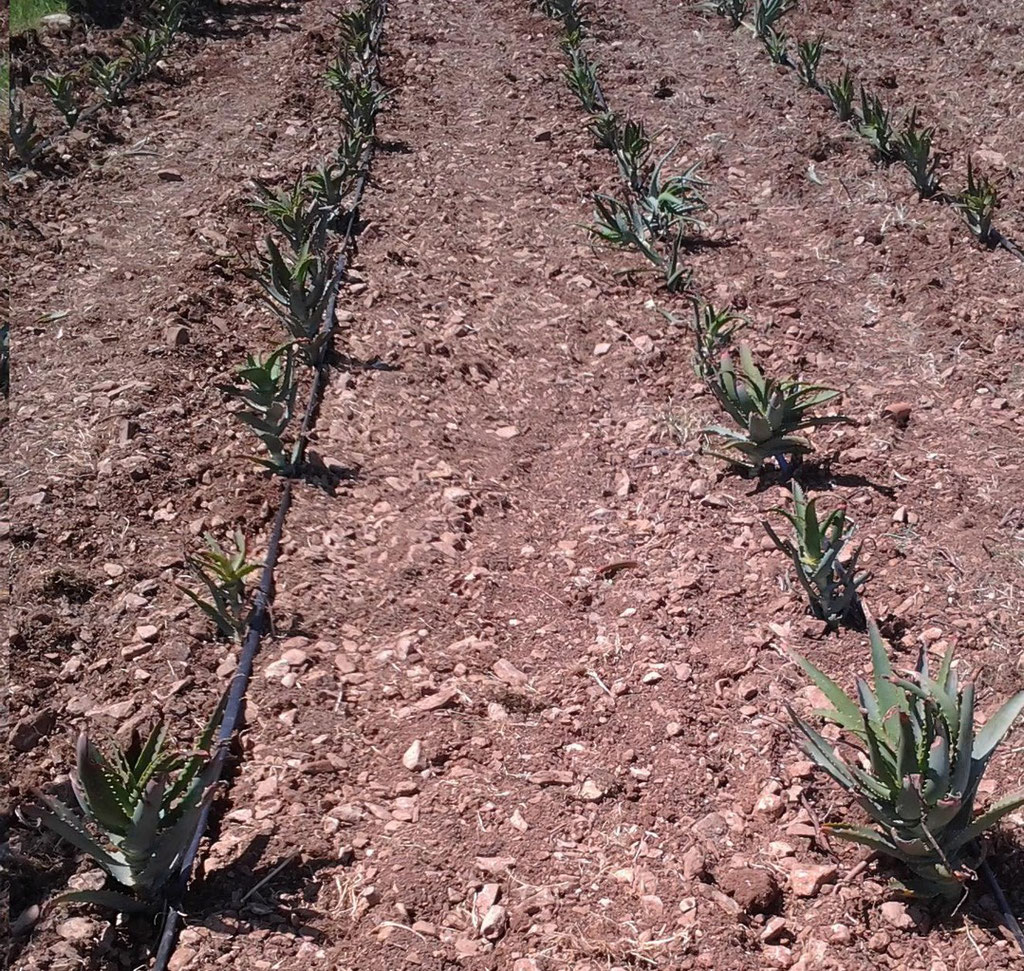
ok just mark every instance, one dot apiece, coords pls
pixel 259 619
pixel 1004 905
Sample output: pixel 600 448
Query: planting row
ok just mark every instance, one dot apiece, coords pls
pixel 142 808
pixel 906 142
pixel 109 78
pixel 917 757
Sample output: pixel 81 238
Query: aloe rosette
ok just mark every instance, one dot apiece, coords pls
pixel 921 759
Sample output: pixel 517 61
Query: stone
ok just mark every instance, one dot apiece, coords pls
pixel 147 633
pixel 506 431
pixel 899 413
pixel 78 929
pixel 494 924
pixel 551 777
pixel 31 730
pixel 774 929
pixel 778 956
pixel 591 791
pixel 807 881
pixel 694 864
pixel 770 804
pixel 177 336
pixel 894 913
pixel 295 657
pixel 507 672
pixel 182 958
pixel 57 23
pixel 413 757
pixel 839 934
pixel 754 890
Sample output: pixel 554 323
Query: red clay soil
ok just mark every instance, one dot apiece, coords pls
pixel 523 705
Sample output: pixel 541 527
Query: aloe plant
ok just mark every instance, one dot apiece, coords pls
pixel 297 287
pixel 809 53
pixel 977 204
pixel 581 78
pixel 732 10
pixel 110 78
pixel 832 584
pixel 21 127
pixel 840 94
pixel 267 394
pixel 776 45
pixel 914 148
pixel 141 806
pixel 714 331
pixel 622 224
pixel 292 211
pixel 920 761
pixel 223 574
pixel 767 13
pixel 632 148
pixel 876 126
pixel 769 413
pixel 61 89
pixel 605 129
pixel 360 99
pixel 144 50
pixel 673 205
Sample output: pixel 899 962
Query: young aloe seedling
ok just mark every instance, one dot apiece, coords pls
pixel 832 585
pixel 769 413
pixel 144 50
pixel 605 129
pixel 767 13
pixel 809 53
pixel 733 10
pixel 714 332
pixel 360 100
pixel 914 147
pixel 876 126
pixel 358 34
pixel 568 11
pixel 977 204
pixel 21 127
pixel 223 574
pixel 267 394
pixel 144 803
pixel 329 183
pixel 776 45
pixel 292 211
pixel 297 288
pixel 110 78
pixel 923 763
pixel 581 78
pixel 633 152
pixel 61 89
pixel 673 207
pixel 622 224
pixel 840 93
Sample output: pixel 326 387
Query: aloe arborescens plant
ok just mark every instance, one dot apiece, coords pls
pixel 831 582
pixel 769 412
pixel 141 806
pixel 919 762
